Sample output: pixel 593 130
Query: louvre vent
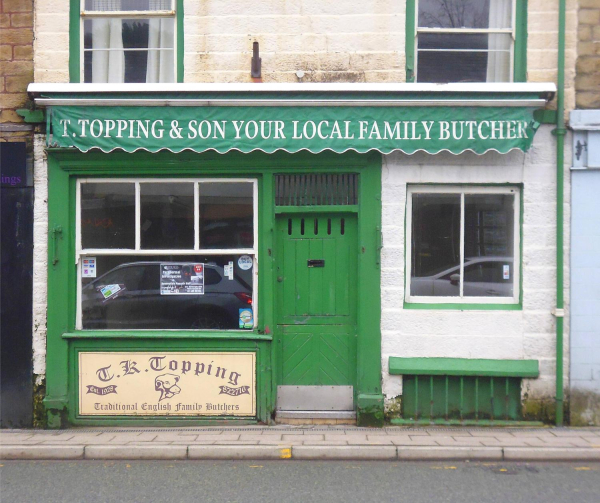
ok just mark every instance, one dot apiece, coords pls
pixel 316 190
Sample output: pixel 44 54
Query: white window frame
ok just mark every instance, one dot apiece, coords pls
pixel 464 190
pixel 511 31
pixel 94 252
pixel 84 14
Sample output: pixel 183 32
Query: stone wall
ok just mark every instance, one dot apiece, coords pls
pixel 16 65
pixel 587 79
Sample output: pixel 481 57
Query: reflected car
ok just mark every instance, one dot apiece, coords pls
pixel 133 300
pixel 484 277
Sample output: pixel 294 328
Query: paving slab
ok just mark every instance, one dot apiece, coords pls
pixel 551 454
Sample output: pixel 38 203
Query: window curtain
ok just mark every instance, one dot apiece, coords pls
pixel 161 64
pixel 498 66
pixel 108 66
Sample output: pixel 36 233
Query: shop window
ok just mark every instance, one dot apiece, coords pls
pixel 466 40
pixel 129 40
pixel 463 245
pixel 166 254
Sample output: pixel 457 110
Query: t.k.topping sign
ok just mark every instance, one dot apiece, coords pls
pixel 167 384
pixel 292 129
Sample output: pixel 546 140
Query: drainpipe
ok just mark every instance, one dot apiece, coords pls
pixel 560 133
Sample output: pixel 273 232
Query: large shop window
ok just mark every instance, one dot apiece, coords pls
pixel 129 41
pixel 463 245
pixel 166 254
pixel 466 40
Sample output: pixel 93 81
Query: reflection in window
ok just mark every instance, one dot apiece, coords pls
pixel 464 40
pixel 167 215
pixel 132 292
pixel 487 252
pixel 108 215
pixel 226 215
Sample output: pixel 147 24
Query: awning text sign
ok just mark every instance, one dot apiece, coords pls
pixel 167 384
pixel 385 129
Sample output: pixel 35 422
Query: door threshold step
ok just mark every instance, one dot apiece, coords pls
pixel 315 417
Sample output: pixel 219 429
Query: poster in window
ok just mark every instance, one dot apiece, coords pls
pixel 182 279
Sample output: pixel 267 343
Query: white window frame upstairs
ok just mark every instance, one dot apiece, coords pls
pixel 510 31
pixel 172 13
pixel 463 190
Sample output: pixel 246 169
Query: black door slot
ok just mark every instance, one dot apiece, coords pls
pixel 316 263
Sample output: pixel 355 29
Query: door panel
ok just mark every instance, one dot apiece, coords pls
pixel 316 298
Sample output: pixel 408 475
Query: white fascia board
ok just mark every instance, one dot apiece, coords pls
pixel 585 120
pixel 507 88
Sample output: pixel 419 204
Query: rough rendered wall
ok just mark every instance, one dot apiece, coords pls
pixel 526 334
pixel 330 41
pixel 587 80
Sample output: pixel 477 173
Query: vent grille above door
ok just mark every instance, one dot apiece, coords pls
pixel 316 190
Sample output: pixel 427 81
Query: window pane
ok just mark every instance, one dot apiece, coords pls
pixel 478 57
pixel 167 216
pixel 127 5
pixel 435 260
pixel 129 50
pixel 168 292
pixel 107 215
pixel 489 245
pixel 465 13
pixel 226 215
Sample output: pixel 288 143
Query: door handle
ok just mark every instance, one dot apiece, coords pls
pixel 279 279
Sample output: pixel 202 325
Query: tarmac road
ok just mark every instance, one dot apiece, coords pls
pixel 297 481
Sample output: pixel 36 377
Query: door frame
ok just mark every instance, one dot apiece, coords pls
pixel 368 391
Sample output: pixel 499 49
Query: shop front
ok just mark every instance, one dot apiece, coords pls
pixel 215 252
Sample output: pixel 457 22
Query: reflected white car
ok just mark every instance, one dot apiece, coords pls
pixel 484 277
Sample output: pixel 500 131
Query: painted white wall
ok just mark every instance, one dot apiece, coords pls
pixel 524 334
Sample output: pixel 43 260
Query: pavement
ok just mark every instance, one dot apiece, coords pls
pixel 284 442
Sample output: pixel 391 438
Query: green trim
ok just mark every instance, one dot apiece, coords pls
pixel 463 367
pixel 520 46
pixel 410 36
pixel 560 159
pixel 32 116
pixel 75 41
pixel 467 422
pixel 316 209
pixel 166 334
pixel 465 307
pixel 545 116
pixel 63 340
pixel 180 41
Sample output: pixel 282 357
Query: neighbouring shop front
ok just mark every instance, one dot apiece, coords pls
pixel 215 251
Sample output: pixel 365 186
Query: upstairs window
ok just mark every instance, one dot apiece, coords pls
pixel 467 41
pixel 129 41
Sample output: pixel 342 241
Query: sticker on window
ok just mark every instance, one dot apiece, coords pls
pixel 245 262
pixel 506 271
pixel 228 270
pixel 88 267
pixel 182 279
pixel 246 318
pixel 110 291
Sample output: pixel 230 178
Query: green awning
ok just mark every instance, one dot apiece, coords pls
pixel 358 119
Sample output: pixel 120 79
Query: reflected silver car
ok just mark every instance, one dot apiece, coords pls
pixel 484 277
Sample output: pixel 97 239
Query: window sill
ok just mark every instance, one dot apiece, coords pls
pixel 465 306
pixel 167 334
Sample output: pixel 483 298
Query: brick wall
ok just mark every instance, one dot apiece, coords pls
pixel 16 57
pixel 587 80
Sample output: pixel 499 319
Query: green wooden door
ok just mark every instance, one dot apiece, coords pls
pixel 316 298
